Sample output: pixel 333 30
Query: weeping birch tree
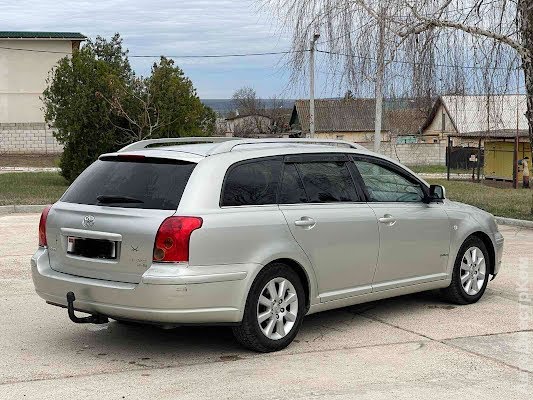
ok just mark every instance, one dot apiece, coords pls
pixel 416 47
pixel 358 45
pixel 496 25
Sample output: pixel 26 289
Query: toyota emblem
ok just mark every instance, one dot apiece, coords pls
pixel 88 221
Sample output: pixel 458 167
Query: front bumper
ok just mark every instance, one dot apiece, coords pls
pixel 498 252
pixel 167 294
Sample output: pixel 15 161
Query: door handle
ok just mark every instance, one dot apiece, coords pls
pixel 305 222
pixel 387 219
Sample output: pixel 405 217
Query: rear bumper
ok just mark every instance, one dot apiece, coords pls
pixel 167 294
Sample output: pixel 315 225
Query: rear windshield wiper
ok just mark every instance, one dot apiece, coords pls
pixel 117 199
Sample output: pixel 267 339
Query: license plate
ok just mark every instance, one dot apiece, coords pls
pixel 92 248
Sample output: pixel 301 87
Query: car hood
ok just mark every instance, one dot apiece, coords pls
pixel 466 207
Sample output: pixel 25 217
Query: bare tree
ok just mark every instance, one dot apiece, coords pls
pixel 136 105
pixel 415 48
pixel 278 113
pixel 490 27
pixel 357 40
pixel 246 102
pixel 506 22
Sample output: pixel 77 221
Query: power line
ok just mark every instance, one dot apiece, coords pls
pixel 412 62
pixel 268 53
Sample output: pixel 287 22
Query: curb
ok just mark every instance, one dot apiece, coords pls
pixel 5 210
pixel 514 222
pixel 29 169
pixel 443 175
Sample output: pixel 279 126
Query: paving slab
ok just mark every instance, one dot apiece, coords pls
pixel 40 341
pixel 18 234
pixel 514 349
pixel 411 347
pixel 401 371
pixel 425 314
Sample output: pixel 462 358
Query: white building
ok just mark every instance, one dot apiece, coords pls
pixel 248 125
pixel 460 116
pixel 26 58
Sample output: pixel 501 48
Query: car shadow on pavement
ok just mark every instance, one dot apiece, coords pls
pixel 148 344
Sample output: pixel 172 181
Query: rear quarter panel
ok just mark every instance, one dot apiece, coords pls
pixel 247 235
pixel 236 235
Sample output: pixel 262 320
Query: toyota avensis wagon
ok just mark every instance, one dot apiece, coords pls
pixel 254 234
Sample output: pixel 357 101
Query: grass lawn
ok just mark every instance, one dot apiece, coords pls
pixel 47 187
pixel 439 169
pixel 500 201
pixel 31 187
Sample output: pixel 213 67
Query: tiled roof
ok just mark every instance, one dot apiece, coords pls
pixel 356 115
pixel 41 35
pixel 497 134
pixel 407 121
pixel 337 115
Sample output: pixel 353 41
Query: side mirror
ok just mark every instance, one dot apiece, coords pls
pixel 437 193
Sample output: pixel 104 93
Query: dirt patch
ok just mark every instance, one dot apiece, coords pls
pixel 29 160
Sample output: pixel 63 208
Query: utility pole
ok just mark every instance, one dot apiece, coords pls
pixel 312 86
pixel 380 77
pixel 517 136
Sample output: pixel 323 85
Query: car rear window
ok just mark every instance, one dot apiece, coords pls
pixel 145 183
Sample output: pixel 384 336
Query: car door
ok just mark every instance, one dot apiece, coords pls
pixel 414 234
pixel 330 221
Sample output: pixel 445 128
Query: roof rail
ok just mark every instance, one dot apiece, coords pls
pixel 228 146
pixel 181 140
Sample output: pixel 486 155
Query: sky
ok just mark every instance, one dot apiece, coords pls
pixel 175 27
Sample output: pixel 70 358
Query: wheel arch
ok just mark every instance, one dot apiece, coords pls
pixel 302 274
pixel 488 245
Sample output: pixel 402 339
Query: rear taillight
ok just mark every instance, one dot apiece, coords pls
pixel 172 239
pixel 42 226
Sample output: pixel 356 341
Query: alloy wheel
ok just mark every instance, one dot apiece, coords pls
pixel 277 308
pixel 473 271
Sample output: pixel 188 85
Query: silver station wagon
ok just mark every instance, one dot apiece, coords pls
pixel 254 234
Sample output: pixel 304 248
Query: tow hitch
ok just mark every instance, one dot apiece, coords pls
pixel 92 319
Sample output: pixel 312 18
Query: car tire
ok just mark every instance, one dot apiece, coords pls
pixel 261 329
pixel 470 273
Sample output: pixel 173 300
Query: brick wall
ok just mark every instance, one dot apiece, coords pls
pixel 413 153
pixel 27 138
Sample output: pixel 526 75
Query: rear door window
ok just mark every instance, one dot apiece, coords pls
pixel 252 183
pixel 149 183
pixel 317 178
pixel 292 189
pixel 327 182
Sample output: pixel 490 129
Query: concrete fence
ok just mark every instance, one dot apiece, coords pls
pixel 37 138
pixel 413 153
pixel 28 138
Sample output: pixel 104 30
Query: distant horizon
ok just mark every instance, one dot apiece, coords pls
pixel 225 105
